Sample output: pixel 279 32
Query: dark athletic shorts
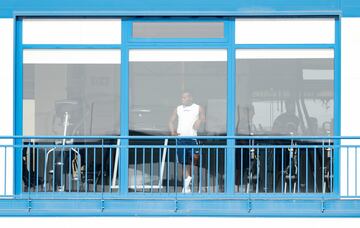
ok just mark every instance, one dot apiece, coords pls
pixel 185 154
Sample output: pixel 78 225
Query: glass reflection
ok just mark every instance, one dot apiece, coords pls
pixel 285 96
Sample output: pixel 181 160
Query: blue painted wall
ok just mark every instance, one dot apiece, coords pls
pixel 179 7
pixel 350 8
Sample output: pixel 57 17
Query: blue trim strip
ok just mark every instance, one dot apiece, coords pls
pixel 176 45
pixel 71 46
pixel 256 137
pixel 250 13
pixel 285 46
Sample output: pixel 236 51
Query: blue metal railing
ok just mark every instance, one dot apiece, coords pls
pixel 280 165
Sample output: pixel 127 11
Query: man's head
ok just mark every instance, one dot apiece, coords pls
pixel 186 99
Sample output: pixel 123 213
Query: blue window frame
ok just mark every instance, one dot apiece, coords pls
pixel 129 43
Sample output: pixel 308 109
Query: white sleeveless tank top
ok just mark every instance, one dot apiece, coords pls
pixel 187 116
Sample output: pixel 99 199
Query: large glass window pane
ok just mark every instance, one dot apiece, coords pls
pixel 158 78
pixel 283 92
pixel 71 93
pixel 287 93
pixel 80 84
pixel 178 30
pixel 183 93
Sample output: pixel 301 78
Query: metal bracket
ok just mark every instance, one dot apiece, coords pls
pixel 29 205
pixel 176 206
pixel 102 205
pixel 249 206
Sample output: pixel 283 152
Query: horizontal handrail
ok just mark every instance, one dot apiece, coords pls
pixel 256 137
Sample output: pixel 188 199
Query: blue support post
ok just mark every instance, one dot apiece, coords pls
pixel 231 104
pixel 124 113
pixel 337 104
pixel 18 79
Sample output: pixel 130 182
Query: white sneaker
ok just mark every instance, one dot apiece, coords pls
pixel 186 188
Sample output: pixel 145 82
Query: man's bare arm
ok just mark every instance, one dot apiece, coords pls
pixel 172 123
pixel 201 119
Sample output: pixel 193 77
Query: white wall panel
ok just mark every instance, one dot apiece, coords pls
pixel 350 108
pixel 6 102
pixel 71 31
pixel 178 222
pixel 72 56
pixel 284 54
pixel 285 31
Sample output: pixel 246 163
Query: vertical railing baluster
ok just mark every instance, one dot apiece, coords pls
pixel 94 168
pixel 143 169
pixel 241 170
pixel 200 170
pixel 159 165
pixel 224 151
pixel 266 186
pixel 5 171
pixel 184 166
pixel 70 169
pixel 257 169
pixel 291 156
pixel 37 169
pixel 110 168
pixel 29 167
pixel 61 169
pixel 192 170
pixel 45 170
pixel 86 169
pixel 78 165
pixel 331 169
pixel 176 167
pixel 151 169
pixel 274 170
pixel 250 154
pixel 217 171
pixel 323 168
pixel 208 171
pixel 78 171
pixel 282 169
pixel 356 149
pixel 348 172
pixel 102 165
pixel 135 170
pixel 119 145
pixel 298 169
pixel 168 173
pixel 54 172
pixel 315 171
pixel 307 170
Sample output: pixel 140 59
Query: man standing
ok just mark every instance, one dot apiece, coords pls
pixel 189 117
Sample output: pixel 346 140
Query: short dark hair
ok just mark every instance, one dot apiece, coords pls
pixel 188 92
